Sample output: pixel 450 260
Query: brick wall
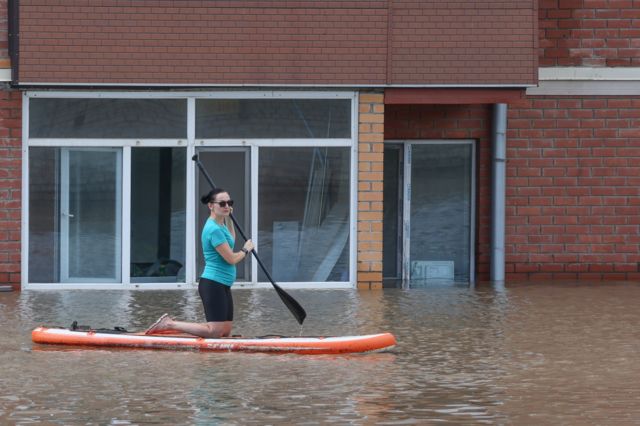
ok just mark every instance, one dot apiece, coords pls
pixel 573 182
pixel 10 165
pixel 4 36
pixel 278 42
pixel 592 33
pixel 472 42
pixel 4 31
pixel 454 122
pixel 370 178
pixel 10 185
pixel 195 42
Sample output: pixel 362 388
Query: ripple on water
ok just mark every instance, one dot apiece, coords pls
pixel 527 354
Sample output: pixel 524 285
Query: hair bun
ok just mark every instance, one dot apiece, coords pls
pixel 204 199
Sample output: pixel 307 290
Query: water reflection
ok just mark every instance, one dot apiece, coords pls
pixel 529 354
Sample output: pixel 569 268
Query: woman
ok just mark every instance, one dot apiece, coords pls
pixel 218 237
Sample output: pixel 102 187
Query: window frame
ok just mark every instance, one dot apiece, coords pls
pixel 190 144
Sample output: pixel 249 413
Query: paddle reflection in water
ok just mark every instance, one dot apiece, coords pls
pixel 543 354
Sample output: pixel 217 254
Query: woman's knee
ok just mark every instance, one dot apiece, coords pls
pixel 219 329
pixel 226 329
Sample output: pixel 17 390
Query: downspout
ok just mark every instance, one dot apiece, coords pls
pixel 498 190
pixel 13 11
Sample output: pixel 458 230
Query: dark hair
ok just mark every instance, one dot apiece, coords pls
pixel 211 195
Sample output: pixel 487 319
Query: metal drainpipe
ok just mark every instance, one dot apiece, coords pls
pixel 13 12
pixel 498 190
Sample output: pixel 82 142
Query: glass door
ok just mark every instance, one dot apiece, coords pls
pixel 428 212
pixel 90 215
pixel 438 211
pixel 392 235
pixel 229 167
pixel 158 214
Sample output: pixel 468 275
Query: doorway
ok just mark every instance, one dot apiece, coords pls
pixel 229 167
pixel 90 214
pixel 429 206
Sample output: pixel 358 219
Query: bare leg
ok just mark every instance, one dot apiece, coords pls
pixel 210 330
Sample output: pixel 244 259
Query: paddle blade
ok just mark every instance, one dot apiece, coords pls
pixel 291 303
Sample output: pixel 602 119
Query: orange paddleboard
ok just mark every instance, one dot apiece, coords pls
pixel 297 345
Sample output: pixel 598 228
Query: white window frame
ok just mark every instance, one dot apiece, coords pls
pixel 64 198
pixel 190 143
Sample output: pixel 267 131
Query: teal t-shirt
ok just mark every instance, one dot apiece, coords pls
pixel 216 268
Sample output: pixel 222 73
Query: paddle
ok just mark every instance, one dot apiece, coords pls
pixel 291 303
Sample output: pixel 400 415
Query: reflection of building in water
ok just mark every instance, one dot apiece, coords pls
pixel 98 309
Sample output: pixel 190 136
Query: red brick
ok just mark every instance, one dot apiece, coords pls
pixel 350 31
pixel 598 166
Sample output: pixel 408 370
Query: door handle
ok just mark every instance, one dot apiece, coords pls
pixel 68 214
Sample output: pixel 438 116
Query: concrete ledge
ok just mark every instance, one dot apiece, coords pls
pixel 578 88
pixel 577 81
pixel 5 74
pixel 589 73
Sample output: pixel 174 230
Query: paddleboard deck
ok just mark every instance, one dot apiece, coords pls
pixel 119 338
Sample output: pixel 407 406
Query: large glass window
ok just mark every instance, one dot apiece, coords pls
pixel 304 205
pixel 111 186
pixel 273 118
pixel 75 197
pixel 158 214
pixel 107 118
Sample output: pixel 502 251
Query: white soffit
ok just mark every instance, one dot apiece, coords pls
pixel 587 81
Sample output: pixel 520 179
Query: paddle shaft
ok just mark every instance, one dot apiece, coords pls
pixel 296 309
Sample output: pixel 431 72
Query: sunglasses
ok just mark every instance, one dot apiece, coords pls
pixel 224 203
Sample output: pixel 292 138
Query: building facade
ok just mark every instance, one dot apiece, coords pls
pixel 364 142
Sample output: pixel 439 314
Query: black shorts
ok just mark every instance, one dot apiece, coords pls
pixel 216 299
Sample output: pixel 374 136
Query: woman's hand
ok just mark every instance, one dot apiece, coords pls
pixel 248 246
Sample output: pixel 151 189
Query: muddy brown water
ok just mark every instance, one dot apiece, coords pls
pixel 537 353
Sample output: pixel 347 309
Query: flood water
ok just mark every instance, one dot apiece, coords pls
pixel 543 353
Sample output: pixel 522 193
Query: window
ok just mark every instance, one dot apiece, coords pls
pixel 112 194
pixel 273 118
pixel 75 215
pixel 158 214
pixel 108 118
pixel 304 204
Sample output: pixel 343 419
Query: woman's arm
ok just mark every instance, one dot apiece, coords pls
pixel 232 257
